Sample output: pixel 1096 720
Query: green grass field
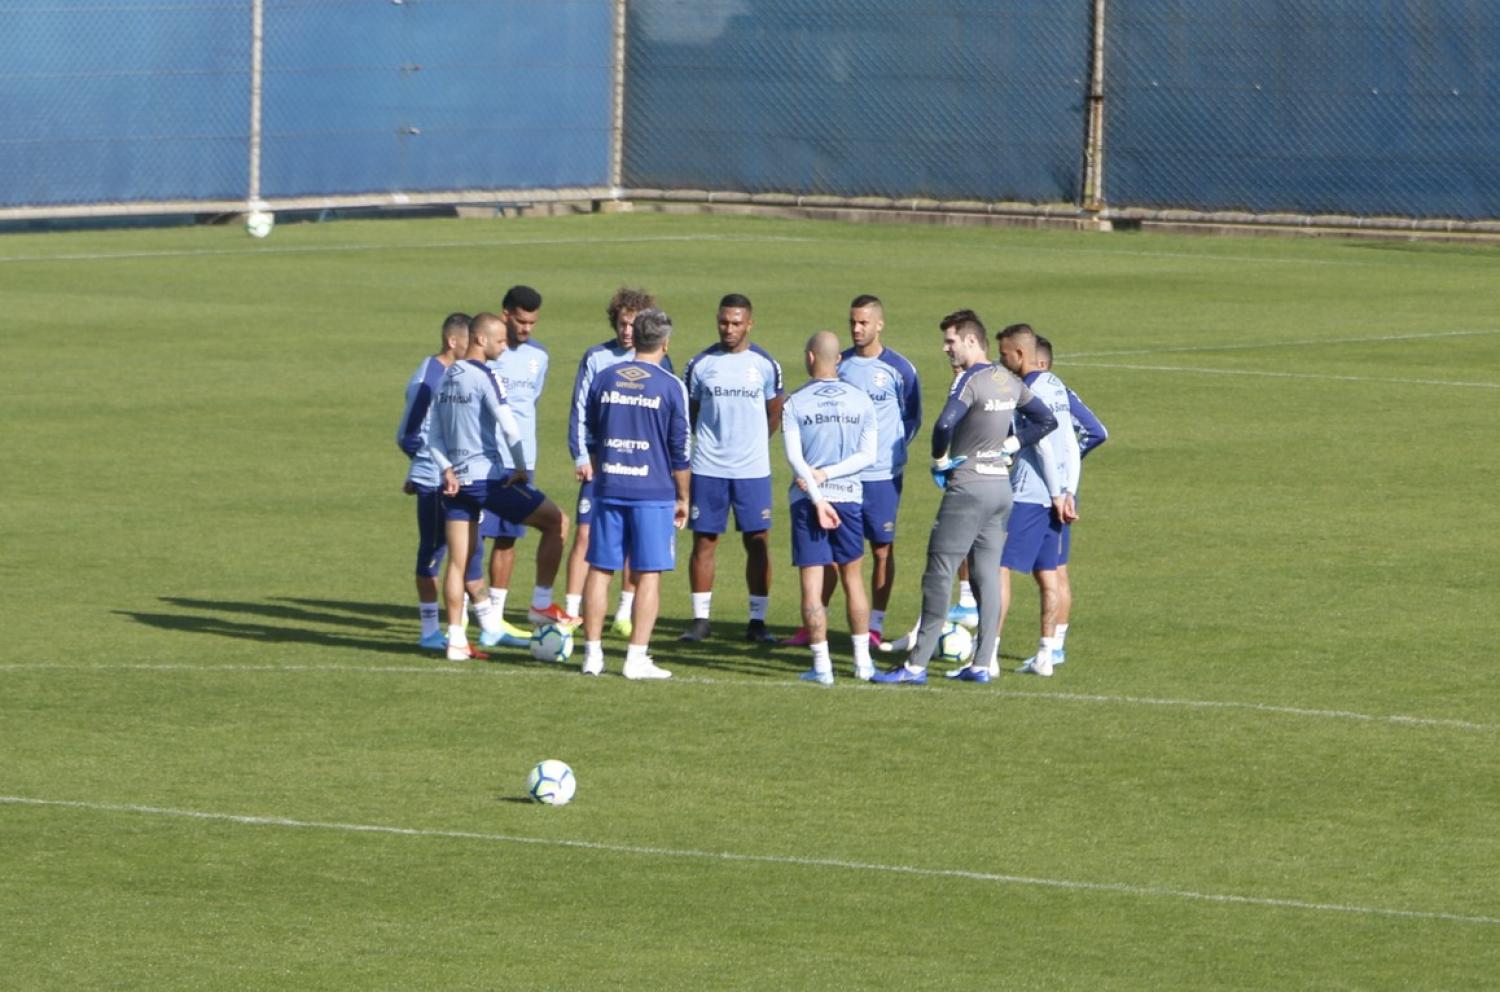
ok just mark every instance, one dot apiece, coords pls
pixel 1272 760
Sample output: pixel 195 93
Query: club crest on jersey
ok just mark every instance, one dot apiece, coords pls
pixel 880 380
pixel 533 366
pixel 753 376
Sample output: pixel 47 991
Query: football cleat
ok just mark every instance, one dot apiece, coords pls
pixel 435 641
pixel 1033 666
pixel 813 675
pixel 1058 657
pixel 798 638
pixel 697 631
pixel 901 675
pixel 864 673
pixel 645 669
pixel 593 666
pixel 966 615
pixel 756 633
pixel 553 614
pixel 971 673
pixel 509 636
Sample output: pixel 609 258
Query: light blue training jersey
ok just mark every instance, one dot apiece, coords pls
pixel 1050 466
pixel 595 360
pixel 471 422
pixel 416 422
pixel 523 373
pixel 829 424
pixel 891 382
pixel 731 439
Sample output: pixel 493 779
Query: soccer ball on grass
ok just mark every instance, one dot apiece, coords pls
pixel 551 783
pixel 258 223
pixel 955 644
pixel 550 642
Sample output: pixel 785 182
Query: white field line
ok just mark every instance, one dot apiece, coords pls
pixel 422 246
pixel 1263 344
pixel 1121 888
pixel 482 670
pixel 1269 374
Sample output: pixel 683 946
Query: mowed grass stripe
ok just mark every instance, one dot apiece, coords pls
pixel 846 685
pixel 1269 374
pixel 1122 888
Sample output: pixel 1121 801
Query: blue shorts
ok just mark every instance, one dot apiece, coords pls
pixel 1033 540
pixel 711 498
pixel 513 503
pixel 583 512
pixel 493 525
pixel 432 541
pixel 882 500
pixel 812 545
pixel 1067 544
pixel 639 530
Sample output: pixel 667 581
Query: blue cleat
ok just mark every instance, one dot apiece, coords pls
pixel 1058 657
pixel 970 673
pixel 509 635
pixel 966 615
pixel 435 641
pixel 813 675
pixel 901 675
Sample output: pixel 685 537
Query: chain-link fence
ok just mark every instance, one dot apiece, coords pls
pixel 1357 107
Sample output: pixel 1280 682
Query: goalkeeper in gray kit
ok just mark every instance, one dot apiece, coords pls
pixel 972 442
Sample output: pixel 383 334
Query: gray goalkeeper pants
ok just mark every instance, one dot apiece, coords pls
pixel 970 524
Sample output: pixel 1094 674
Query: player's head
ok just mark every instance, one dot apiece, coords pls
pixel 1043 353
pixel 653 332
pixel 823 355
pixel 866 321
pixel 965 341
pixel 623 308
pixel 520 307
pixel 1018 348
pixel 486 336
pixel 455 339
pixel 736 317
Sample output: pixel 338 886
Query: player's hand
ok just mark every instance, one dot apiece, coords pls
pixel 680 514
pixel 943 467
pixel 584 472
pixel 1072 510
pixel 801 483
pixel 409 487
pixel 518 477
pixel 819 476
pixel 1061 505
pixel 1008 449
pixel 450 483
pixel 828 517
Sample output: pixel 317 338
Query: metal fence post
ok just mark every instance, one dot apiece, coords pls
pixel 1093 152
pixel 257 47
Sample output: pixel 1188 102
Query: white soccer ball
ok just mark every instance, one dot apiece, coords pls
pixel 258 223
pixel 955 644
pixel 549 642
pixel 551 783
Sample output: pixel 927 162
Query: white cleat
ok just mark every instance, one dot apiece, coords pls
pixel 644 670
pixel 458 652
pixel 593 666
pixel 865 673
pixel 1037 665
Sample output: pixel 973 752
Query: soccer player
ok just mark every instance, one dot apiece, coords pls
pixel 1091 433
pixel 972 441
pixel 469 423
pixel 636 432
pixel 735 399
pixel 522 369
pixel 1044 481
pixel 829 428
pixel 891 382
pixel 424 481
pixel 621 312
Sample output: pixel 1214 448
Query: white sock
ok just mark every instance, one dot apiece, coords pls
pixel 701 601
pixel 541 597
pixel 592 650
pixel 1061 635
pixel 877 620
pixel 627 602
pixel 966 595
pixel 1049 646
pixel 467 606
pixel 429 614
pixel 489 617
pixel 758 607
pixel 821 662
pixel 862 651
pixel 497 599
pixel 456 635
pixel 574 602
pixel 635 653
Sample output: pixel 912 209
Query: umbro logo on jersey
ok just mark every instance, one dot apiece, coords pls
pixel 633 373
pixel 828 390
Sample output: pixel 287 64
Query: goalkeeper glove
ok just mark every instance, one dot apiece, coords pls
pixel 942 467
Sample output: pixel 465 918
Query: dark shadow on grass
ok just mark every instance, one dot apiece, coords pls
pixel 381 611
pixel 523 800
pixel 272 610
pixel 218 626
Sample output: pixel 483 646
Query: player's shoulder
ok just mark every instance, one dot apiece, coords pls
pixel 592 352
pixel 899 362
pixel 708 354
pixel 763 353
pixel 535 345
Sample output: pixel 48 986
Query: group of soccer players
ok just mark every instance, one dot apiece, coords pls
pixel 654 453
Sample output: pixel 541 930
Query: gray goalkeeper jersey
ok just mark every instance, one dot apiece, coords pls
pixel 976 420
